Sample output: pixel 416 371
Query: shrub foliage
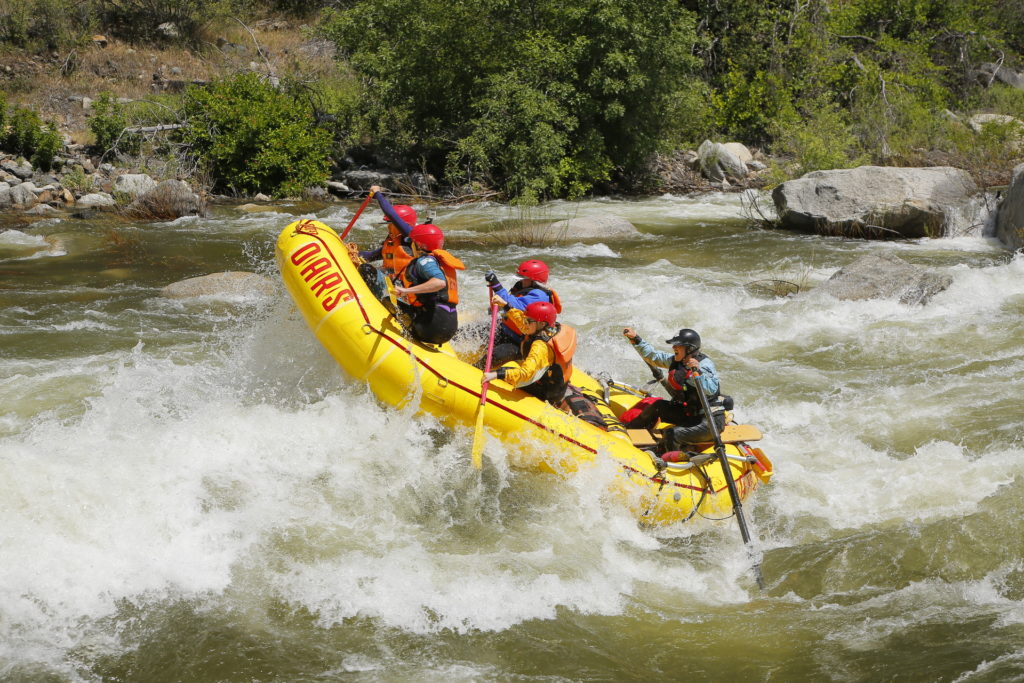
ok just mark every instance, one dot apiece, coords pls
pixel 253 137
pixel 23 132
pixel 541 98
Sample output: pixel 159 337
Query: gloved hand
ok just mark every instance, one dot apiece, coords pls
pixel 492 280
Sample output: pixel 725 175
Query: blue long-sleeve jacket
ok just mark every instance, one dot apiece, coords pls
pixel 396 220
pixel 708 372
pixel 520 303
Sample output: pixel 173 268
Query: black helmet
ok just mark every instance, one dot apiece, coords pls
pixel 686 337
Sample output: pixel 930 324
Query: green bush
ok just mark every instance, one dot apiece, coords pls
pixel 108 123
pixel 545 102
pixel 25 134
pixel 49 24
pixel 822 139
pixel 252 137
pixel 48 144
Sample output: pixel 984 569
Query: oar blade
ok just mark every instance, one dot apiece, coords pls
pixel 478 439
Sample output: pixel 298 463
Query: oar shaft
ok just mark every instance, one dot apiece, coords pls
pixel 730 482
pixel 354 218
pixel 490 352
pixel 478 432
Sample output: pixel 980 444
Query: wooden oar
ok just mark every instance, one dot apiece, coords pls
pixel 353 221
pixel 723 458
pixel 478 434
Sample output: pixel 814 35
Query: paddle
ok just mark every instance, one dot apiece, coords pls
pixel 737 505
pixel 659 376
pixel 478 434
pixel 353 221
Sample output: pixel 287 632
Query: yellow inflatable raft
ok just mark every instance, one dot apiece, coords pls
pixel 371 345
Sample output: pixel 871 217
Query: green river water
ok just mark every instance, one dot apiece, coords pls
pixel 191 490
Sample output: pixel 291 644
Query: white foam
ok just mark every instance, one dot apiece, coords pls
pixel 17 238
pixel 227 454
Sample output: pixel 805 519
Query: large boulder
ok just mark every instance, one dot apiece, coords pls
pixel 96 200
pixel 5 196
pixel 24 195
pixel 133 184
pixel 1010 218
pixel 718 162
pixel 599 227
pixel 885 276
pixel 231 283
pixel 169 200
pixel 875 201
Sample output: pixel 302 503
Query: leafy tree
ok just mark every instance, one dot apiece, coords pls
pixel 540 97
pixel 253 137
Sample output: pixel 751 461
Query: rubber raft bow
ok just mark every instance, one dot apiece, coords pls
pixel 369 345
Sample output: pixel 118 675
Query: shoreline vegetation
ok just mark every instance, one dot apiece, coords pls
pixel 497 101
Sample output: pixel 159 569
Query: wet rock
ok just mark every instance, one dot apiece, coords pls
pixel 5 196
pixel 1010 218
pixel 603 226
pixel 885 276
pixel 42 210
pixel 231 283
pixel 875 201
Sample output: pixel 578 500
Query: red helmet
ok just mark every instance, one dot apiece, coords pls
pixel 533 269
pixel 543 311
pixel 405 212
pixel 428 236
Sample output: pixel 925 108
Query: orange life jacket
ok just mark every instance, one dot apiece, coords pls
pixel 563 343
pixel 552 384
pixel 394 255
pixel 449 264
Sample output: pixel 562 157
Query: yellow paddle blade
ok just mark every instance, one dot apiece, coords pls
pixel 478 439
pixel 391 291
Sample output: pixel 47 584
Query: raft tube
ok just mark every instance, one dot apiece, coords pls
pixel 370 345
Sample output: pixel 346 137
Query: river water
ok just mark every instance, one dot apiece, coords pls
pixel 191 490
